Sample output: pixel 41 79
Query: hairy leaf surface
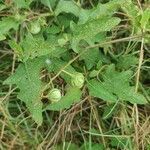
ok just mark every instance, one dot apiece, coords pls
pixel 115 87
pixel 6 24
pixel 92 28
pixel 27 79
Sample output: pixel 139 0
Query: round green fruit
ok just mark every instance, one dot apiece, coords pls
pixel 54 95
pixel 35 27
pixel 77 80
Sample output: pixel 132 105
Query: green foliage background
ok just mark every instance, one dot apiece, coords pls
pixel 48 44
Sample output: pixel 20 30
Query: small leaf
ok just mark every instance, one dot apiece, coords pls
pixel 91 57
pixel 133 11
pixel 49 3
pixel 126 61
pixel 17 48
pixel 107 9
pixel 93 73
pixel 67 7
pixel 120 142
pixel 2 37
pixel 53 29
pixel 98 90
pixel 145 18
pixel 92 146
pixel 22 3
pixel 2 6
pixel 66 146
pixel 72 96
pixel 130 95
pixel 6 24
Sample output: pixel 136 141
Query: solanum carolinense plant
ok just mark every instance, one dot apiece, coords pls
pixel 68 30
pixel 66 51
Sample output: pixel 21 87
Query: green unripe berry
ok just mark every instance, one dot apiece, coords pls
pixel 35 27
pixel 54 95
pixel 77 80
pixel 18 17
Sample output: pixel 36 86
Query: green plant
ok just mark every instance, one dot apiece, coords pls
pixel 53 41
pixel 80 69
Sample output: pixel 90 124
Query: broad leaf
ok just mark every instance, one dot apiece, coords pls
pixel 37 46
pixel 91 29
pixel 119 84
pixel 72 96
pixel 27 79
pixel 101 10
pixel 98 90
pixel 115 87
pixel 84 15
